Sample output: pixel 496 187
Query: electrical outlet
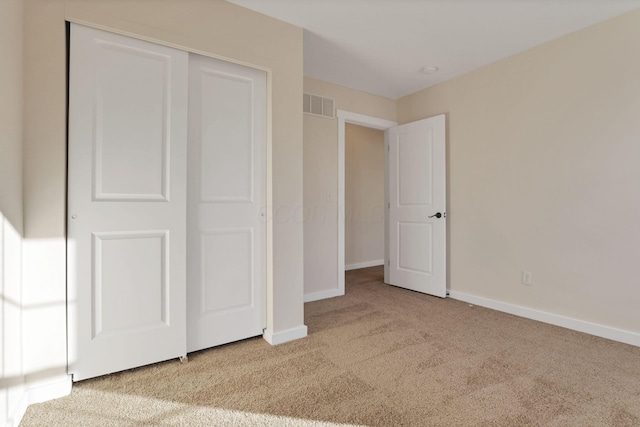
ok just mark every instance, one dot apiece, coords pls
pixel 527 278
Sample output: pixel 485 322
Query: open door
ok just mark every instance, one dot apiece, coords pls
pixel 417 202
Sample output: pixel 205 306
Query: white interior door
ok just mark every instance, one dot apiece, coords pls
pixel 126 202
pixel 417 202
pixel 227 185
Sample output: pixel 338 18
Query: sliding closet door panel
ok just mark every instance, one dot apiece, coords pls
pixel 226 227
pixel 127 202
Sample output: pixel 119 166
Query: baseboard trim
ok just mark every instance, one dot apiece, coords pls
pixel 275 338
pixel 323 295
pixel 615 334
pixel 41 391
pixel 17 413
pixel 364 264
pixel 51 389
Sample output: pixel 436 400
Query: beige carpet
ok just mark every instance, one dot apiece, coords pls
pixel 379 356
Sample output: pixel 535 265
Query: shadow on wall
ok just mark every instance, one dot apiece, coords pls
pixel 8 382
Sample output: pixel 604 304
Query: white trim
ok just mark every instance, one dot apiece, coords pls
pixel 615 334
pixel 275 338
pixel 341 200
pixel 329 293
pixel 366 121
pixel 50 389
pixel 361 120
pixel 386 209
pixel 365 264
pixel 159 37
pixel 40 392
pixel 19 410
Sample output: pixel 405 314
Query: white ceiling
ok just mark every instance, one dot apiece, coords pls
pixel 379 46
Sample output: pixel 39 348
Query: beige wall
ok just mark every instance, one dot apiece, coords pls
pixel 352 100
pixel 543 158
pixel 11 356
pixel 44 258
pixel 11 112
pixel 364 195
pixel 320 205
pixel 215 28
pixel 321 180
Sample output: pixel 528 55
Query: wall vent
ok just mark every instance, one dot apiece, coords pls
pixel 318 106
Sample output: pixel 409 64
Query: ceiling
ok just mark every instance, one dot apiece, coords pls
pixel 380 46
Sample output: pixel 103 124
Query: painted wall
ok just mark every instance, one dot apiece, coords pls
pixel 543 153
pixel 44 280
pixel 364 196
pixel 11 366
pixel 216 28
pixel 321 181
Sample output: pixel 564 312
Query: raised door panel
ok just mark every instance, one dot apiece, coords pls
pixel 130 272
pixel 226 137
pixel 415 181
pixel 132 118
pixel 415 247
pixel 227 273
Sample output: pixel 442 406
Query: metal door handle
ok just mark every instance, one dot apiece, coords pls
pixel 437 215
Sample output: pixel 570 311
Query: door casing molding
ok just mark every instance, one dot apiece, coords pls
pixel 345 117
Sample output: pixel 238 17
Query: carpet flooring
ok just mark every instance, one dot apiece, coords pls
pixel 379 356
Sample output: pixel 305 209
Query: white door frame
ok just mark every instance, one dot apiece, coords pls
pixel 369 122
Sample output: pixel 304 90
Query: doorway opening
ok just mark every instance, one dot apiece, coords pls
pixel 345 117
pixel 364 197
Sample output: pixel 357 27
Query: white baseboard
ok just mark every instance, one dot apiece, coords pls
pixel 17 413
pixel 38 392
pixel 364 264
pixel 275 338
pixel 615 334
pixel 323 295
pixel 50 389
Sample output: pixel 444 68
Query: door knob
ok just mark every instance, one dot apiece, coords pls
pixel 437 215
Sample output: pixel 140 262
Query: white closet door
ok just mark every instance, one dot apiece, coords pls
pixel 226 227
pixel 127 202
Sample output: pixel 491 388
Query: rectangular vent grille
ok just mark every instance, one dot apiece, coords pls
pixel 318 106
